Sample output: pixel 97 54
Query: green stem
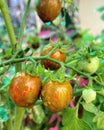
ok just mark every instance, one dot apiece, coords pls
pixel 17 60
pixel 4 10
pixel 9 122
pixel 23 23
pixel 78 92
pixel 79 72
pixel 33 59
pixel 19 112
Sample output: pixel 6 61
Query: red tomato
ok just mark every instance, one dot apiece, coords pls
pixel 24 89
pixel 48 9
pixel 56 96
pixel 57 55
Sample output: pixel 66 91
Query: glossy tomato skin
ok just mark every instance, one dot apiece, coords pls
pixel 48 9
pixel 57 55
pixel 24 89
pixel 56 96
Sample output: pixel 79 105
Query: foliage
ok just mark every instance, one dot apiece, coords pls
pixel 75 122
pixel 101 10
pixel 86 108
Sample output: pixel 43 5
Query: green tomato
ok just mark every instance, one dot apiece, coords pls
pixel 90 66
pixel 89 95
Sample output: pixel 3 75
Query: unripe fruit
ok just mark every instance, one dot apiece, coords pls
pixel 91 65
pixel 89 95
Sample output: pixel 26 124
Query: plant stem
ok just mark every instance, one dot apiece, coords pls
pixel 33 59
pixel 17 60
pixel 9 122
pixel 19 113
pixel 4 10
pixel 79 72
pixel 23 23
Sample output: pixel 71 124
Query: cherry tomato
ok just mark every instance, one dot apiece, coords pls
pixel 57 55
pixel 90 66
pixel 89 95
pixel 48 9
pixel 56 96
pixel 24 89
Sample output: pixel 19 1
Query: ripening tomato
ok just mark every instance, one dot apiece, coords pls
pixel 25 89
pixel 90 66
pixel 48 10
pixel 57 55
pixel 56 96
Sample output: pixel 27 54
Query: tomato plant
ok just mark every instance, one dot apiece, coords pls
pixel 54 86
pixel 24 89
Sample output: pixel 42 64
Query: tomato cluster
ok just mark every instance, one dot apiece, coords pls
pixel 25 89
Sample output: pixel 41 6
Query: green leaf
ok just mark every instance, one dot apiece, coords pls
pixel 102 17
pixel 88 37
pixel 70 121
pixel 88 117
pixel 100 9
pixel 90 107
pixel 38 114
pixel 6 80
pixel 101 68
pixel 99 120
pixel 3 113
pixel 8 53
